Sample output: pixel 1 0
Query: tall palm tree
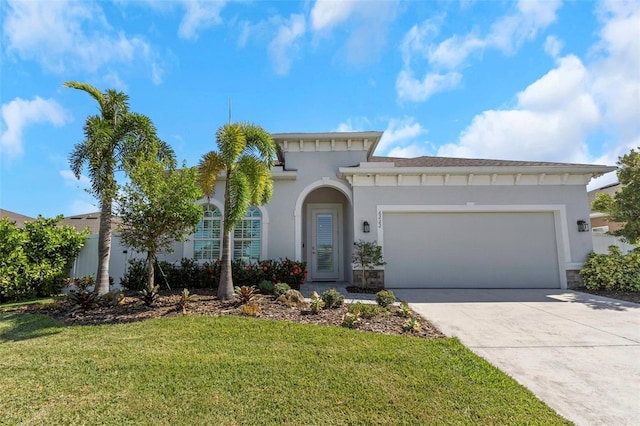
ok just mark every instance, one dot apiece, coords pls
pixel 246 153
pixel 111 140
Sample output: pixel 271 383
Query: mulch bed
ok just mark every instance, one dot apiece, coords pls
pixel 204 302
pixel 627 296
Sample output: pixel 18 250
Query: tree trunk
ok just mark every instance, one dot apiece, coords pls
pixel 225 287
pixel 150 272
pixel 104 248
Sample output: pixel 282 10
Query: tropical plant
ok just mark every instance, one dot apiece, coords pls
pixel 245 153
pixel 366 256
pixel 405 310
pixel 332 298
pixel 183 302
pixel 112 138
pixel 280 288
pixel 412 325
pixel 350 320
pixel 624 206
pixel 245 293
pixel 158 206
pixel 385 298
pixel 149 296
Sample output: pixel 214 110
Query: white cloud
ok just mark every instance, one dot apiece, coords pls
pixel 20 113
pixel 411 89
pixel 199 15
pixel 368 26
pixel 286 43
pixel 67 35
pixel 553 46
pixel 550 122
pixel 446 59
pixel 409 151
pixel 399 133
pixel 70 180
pixel 326 14
pixel 357 124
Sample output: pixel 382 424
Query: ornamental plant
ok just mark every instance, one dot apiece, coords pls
pixel 366 256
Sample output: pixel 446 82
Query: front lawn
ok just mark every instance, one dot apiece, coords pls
pixel 232 370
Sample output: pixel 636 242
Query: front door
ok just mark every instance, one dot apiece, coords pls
pixel 325 244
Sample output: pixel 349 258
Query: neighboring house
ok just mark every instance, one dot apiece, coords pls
pixel 18 218
pixel 441 222
pixel 600 226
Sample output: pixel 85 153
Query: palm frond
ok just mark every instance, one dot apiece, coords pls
pixel 258 176
pixel 259 140
pixel 209 167
pixel 231 141
pixel 92 91
pixel 239 200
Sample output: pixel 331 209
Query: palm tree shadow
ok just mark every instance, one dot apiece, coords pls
pixel 15 327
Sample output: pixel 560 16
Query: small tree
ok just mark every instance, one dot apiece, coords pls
pixel 158 207
pixel 624 206
pixel 366 256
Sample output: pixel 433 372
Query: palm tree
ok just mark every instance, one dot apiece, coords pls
pixel 246 153
pixel 112 139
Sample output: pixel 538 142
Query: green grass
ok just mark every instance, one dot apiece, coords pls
pixel 232 370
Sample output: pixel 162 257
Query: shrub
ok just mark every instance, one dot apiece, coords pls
pixel 613 271
pixel 332 298
pixel 250 309
pixel 366 256
pixel 280 288
pixel 367 311
pixel 350 320
pixel 35 261
pixel 245 293
pixel 405 310
pixel 265 287
pixel 291 272
pixel 412 325
pixel 316 303
pixel 385 298
pixel 112 298
pixel 135 278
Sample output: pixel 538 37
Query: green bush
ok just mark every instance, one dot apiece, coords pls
pixel 280 288
pixel 366 310
pixel 332 298
pixel 613 271
pixel 35 260
pixel 135 278
pixel 350 320
pixel 265 287
pixel 385 298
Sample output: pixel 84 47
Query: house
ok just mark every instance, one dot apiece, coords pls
pixel 17 218
pixel 441 222
pixel 601 226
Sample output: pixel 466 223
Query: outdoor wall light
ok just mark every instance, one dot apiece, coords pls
pixel 365 227
pixel 583 226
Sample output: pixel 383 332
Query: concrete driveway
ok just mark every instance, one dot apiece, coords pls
pixel 578 353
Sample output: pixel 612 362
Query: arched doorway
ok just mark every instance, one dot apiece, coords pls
pixel 325 231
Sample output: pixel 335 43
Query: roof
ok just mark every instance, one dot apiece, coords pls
pixel 18 218
pixel 610 189
pixel 87 220
pixel 427 161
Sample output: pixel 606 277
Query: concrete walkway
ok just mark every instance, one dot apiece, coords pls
pixel 577 352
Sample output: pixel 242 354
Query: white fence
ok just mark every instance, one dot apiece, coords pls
pixel 601 243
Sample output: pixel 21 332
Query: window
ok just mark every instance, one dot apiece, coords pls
pixel 207 240
pixel 246 241
pixel 247 236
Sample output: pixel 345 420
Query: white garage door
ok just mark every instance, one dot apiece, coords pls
pixel 470 250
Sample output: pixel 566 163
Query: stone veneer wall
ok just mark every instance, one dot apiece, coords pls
pixel 574 280
pixel 375 278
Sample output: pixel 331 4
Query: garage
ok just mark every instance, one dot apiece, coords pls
pixel 470 250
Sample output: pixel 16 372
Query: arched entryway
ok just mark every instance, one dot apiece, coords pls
pixel 323 224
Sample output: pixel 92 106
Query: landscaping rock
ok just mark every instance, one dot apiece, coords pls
pixel 293 298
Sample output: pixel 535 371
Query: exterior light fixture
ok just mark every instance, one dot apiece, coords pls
pixel 583 226
pixel 365 227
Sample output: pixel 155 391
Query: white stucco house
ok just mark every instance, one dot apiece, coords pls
pixel 441 222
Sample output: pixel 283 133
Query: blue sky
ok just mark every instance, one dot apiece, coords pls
pixel 530 80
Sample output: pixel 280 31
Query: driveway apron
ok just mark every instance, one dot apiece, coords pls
pixel 577 352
